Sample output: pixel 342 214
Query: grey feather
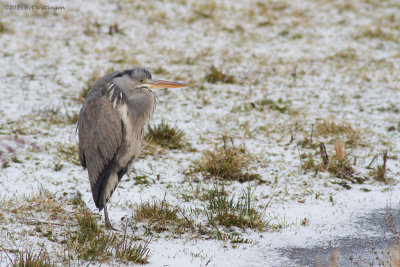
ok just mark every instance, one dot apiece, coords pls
pixel 99 131
pixel 106 145
pixel 110 125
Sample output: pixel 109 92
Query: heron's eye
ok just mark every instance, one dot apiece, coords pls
pixel 141 80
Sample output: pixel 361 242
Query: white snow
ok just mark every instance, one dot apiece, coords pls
pixel 341 74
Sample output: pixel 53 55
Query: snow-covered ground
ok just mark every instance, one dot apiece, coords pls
pixel 336 62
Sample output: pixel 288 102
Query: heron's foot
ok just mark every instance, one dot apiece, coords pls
pixel 110 227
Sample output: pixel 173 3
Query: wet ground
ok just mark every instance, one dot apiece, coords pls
pixel 354 250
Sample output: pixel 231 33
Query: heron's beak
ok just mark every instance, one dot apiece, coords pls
pixel 160 84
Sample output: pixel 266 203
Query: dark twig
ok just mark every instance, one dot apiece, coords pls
pixel 372 161
pixel 324 155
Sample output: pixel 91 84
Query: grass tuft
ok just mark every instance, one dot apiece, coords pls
pixel 128 250
pixel 165 136
pixel 90 242
pixel 214 75
pixel 379 173
pixel 339 165
pixel 44 201
pixel 160 217
pixel 28 258
pixel 228 211
pixel 343 130
pixel 226 163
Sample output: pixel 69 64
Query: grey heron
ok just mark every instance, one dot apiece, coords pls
pixel 111 128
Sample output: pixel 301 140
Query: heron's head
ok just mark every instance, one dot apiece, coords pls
pixel 140 78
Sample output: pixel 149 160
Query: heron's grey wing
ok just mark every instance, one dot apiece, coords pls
pixel 100 135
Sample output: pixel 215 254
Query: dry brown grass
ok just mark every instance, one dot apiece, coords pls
pixel 165 135
pixel 28 258
pixel 339 149
pixel 68 152
pixel 334 131
pixel 203 10
pixel 379 173
pixel 227 163
pixel 43 201
pixel 339 166
pixel 92 243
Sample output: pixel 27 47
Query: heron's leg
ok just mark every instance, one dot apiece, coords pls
pixel 108 223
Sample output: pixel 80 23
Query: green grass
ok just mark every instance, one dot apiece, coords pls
pixel 214 75
pixel 77 232
pixel 92 243
pixel 308 162
pixel 128 251
pixel 340 168
pixel 160 217
pixel 28 258
pixel 89 241
pixel 228 211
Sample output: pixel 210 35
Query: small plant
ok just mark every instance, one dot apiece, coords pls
pixel 77 201
pixel 226 163
pixel 89 241
pixel 28 258
pixel 376 33
pixel 165 135
pixel 141 179
pixel 304 222
pixel 307 161
pixel 339 165
pixel 214 75
pixel 128 250
pixel 113 29
pixel 348 54
pixel 343 130
pixel 228 211
pixel 44 201
pixel 160 216
pixel 379 173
